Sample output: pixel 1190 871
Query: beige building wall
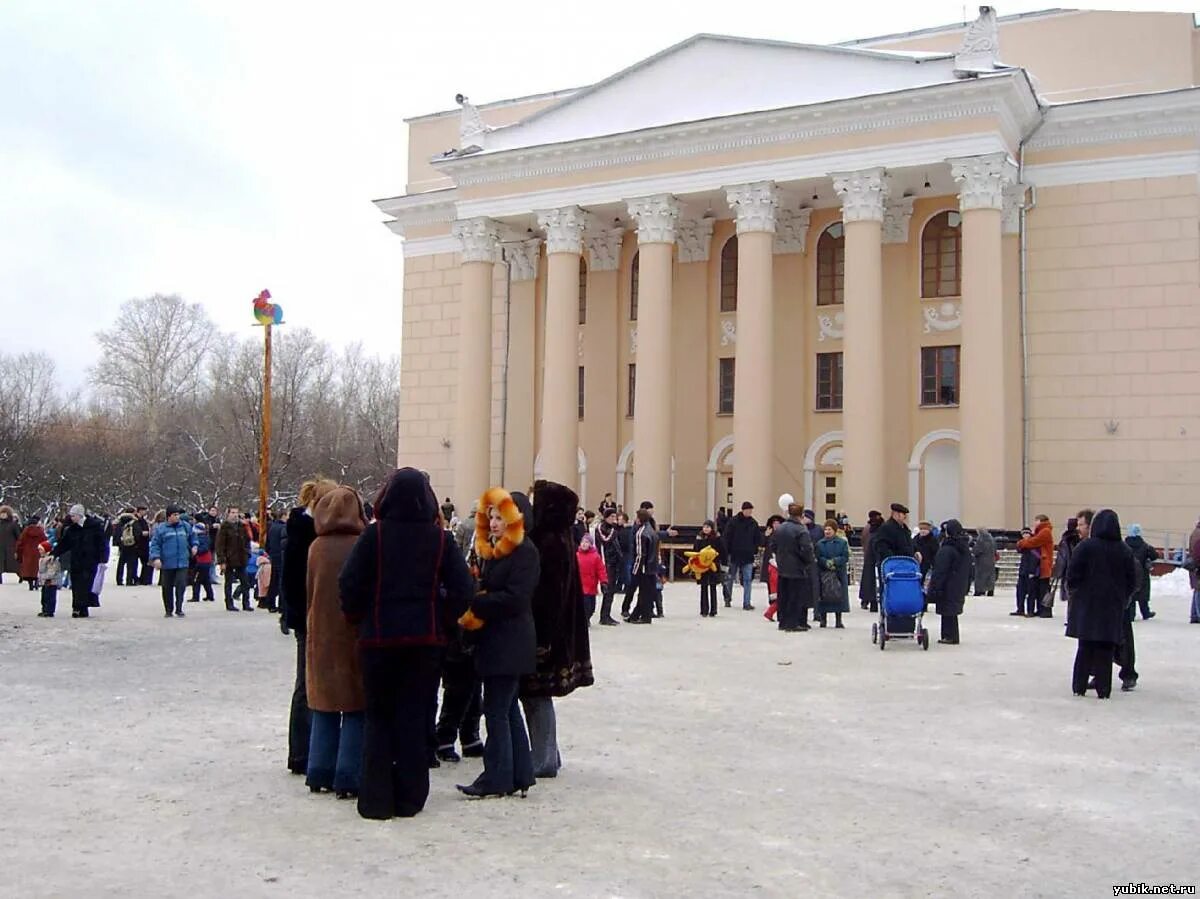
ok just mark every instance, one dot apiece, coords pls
pixel 1079 54
pixel 1114 350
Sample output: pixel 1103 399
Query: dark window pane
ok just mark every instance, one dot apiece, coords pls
pixel 633 290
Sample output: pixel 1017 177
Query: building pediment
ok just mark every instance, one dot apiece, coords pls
pixel 711 77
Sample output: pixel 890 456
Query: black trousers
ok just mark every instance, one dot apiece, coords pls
pixel 708 592
pixel 81 591
pixel 647 591
pixel 237 573
pixel 144 558
pixel 300 718
pixel 462 701
pixel 49 599
pixel 201 576
pixel 792 610
pixel 631 590
pixel 174 585
pixel 395 771
pixel 127 565
pixel 616 575
pixel 1093 659
pixel 950 628
pixel 1126 654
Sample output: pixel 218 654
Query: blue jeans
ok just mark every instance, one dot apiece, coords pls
pixel 745 575
pixel 507 760
pixel 335 751
pixel 1195 616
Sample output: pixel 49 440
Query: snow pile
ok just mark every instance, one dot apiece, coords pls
pixel 1175 584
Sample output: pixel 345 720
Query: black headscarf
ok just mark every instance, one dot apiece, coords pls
pixel 407 496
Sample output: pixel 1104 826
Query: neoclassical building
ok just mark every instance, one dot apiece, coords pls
pixel 959 268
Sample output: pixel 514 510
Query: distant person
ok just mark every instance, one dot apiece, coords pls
pixel 83 540
pixel 33 535
pixel 833 563
pixel 1144 557
pixel 743 537
pixel 983 561
pixel 10 533
pixel 232 549
pixel 447 511
pixel 49 578
pixel 1101 579
pixel 172 548
pixel 950 579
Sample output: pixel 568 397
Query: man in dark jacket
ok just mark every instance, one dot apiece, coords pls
pixel 141 529
pixel 276 532
pixel 1144 557
pixel 608 539
pixel 645 567
pixel 1101 581
pixel 892 539
pixel 868 592
pixel 232 549
pixel 796 560
pixel 84 539
pixel 743 536
pixel 950 578
pixel 632 585
pixel 124 540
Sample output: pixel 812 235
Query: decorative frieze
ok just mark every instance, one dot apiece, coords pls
pixel 831 327
pixel 791 230
pixel 633 341
pixel 863 194
pixel 694 237
pixel 942 317
pixel 522 258
pixel 754 206
pixel 604 249
pixel 656 217
pixel 728 331
pixel 564 228
pixel 896 215
pixel 982 180
pixel 478 240
pixel 1014 198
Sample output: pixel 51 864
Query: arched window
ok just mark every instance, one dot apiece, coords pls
pixel 831 265
pixel 941 256
pixel 729 259
pixel 582 291
pixel 633 287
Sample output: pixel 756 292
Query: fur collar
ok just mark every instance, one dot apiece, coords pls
pixel 514 525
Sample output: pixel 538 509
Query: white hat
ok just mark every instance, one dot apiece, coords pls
pixel 79 510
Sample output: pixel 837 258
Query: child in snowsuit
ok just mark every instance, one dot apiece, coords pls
pixel 592 574
pixel 50 578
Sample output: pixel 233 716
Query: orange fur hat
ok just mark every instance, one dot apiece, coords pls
pixel 514 524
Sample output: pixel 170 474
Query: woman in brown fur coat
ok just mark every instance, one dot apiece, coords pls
pixel 333 676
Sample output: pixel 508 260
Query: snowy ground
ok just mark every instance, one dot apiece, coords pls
pixel 145 757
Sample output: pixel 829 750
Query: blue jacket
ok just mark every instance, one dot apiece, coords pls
pixel 172 544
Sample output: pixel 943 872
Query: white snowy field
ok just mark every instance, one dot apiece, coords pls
pixel 145 757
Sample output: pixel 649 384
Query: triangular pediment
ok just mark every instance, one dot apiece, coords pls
pixel 710 76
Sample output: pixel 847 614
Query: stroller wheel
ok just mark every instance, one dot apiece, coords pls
pixel 882 639
pixel 875 633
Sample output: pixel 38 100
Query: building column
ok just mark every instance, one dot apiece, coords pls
pixel 479 249
pixel 601 433
pixel 863 194
pixel 754 372
pixel 520 388
pixel 560 406
pixel 656 218
pixel 982 405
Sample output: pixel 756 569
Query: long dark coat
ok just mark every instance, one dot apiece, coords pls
pixel 1101 579
pixel 928 548
pixel 951 572
pixel 835 552
pixel 10 532
pixel 294 582
pixel 506 645
pixel 87 545
pixel 983 555
pixel 564 655
pixel 27 550
pixel 867 588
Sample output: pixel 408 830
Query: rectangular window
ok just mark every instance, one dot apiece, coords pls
pixel 829 382
pixel 632 384
pixel 939 375
pixel 581 393
pixel 725 386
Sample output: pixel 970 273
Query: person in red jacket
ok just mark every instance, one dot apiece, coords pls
pixel 592 574
pixel 1042 540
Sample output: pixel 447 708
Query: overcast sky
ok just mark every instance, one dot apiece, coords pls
pixel 215 148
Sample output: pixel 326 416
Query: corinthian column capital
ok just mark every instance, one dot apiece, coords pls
pixel 522 258
pixel 897 214
pixel 791 230
pixel 982 180
pixel 656 218
pixel 754 205
pixel 604 249
pixel 564 229
pixel 863 194
pixel 694 238
pixel 478 239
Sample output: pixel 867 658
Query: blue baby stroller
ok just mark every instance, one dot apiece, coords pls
pixel 902 605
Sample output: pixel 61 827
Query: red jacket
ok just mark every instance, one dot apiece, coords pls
pixel 591 571
pixel 1043 541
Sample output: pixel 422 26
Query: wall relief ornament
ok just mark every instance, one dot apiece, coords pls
pixel 478 240
pixel 656 218
pixel 694 237
pixel 832 327
pixel 863 194
pixel 754 206
pixel 633 341
pixel 791 230
pixel 728 331
pixel 564 228
pixel 522 258
pixel 604 249
pixel 580 343
pixel 1014 197
pixel 942 317
pixel 980 48
pixel 897 214
pixel 982 180
pixel 472 132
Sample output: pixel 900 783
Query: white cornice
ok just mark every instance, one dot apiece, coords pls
pixel 1116 168
pixel 433 208
pixel 1006 96
pixel 430 246
pixel 798 168
pixel 1140 117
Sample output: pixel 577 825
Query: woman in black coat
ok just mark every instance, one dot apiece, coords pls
pixel 868 593
pixel 1101 581
pixel 951 578
pixel 404 584
pixel 500 626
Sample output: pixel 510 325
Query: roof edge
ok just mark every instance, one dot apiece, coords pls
pixel 957 26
